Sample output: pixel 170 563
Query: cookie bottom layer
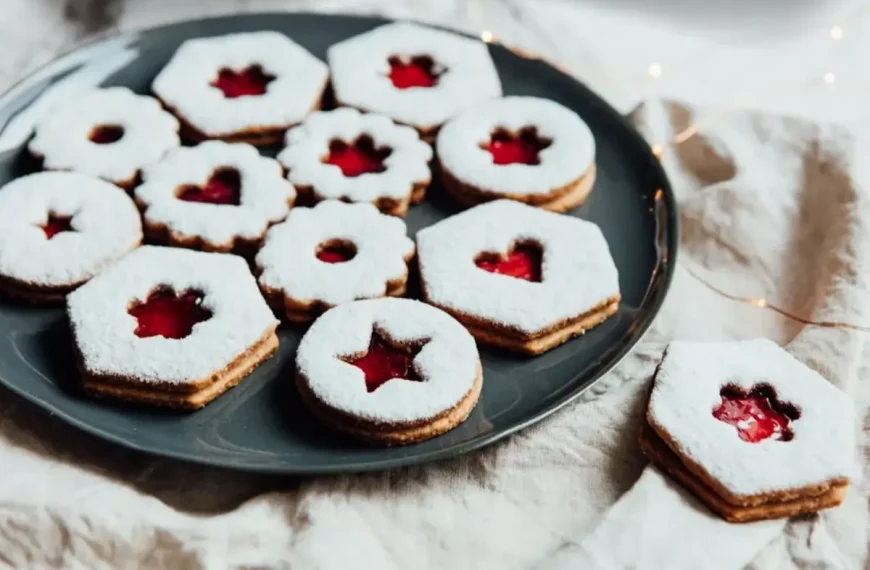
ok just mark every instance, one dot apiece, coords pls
pixel 392 434
pixel 37 295
pixel 666 459
pixel 305 313
pixel 308 196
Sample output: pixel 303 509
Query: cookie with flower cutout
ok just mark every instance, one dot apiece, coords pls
pixel 246 87
pixel 750 430
pixel 388 371
pixel 331 254
pixel 60 229
pixel 108 133
pixel 527 149
pixel 170 327
pixel 417 75
pixel 519 277
pixel 215 196
pixel 355 157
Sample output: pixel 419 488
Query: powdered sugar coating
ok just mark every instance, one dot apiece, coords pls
pixel 687 390
pixel 265 196
pixel 104 331
pixel 406 166
pixel 104 222
pixel 290 265
pixel 360 69
pixel 577 272
pixel 62 137
pixel 185 83
pixel 571 153
pixel 448 362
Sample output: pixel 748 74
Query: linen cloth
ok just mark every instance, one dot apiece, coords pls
pixel 770 206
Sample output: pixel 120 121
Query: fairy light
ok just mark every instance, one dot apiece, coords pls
pixel 829 78
pixel 655 70
pixel 837 33
pixel 487 37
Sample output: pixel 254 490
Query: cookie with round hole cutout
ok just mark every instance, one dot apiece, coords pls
pixel 750 430
pixel 170 327
pixel 388 371
pixel 528 149
pixel 331 254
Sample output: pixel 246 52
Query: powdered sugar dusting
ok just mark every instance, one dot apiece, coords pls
pixel 577 272
pixel 448 363
pixel 687 390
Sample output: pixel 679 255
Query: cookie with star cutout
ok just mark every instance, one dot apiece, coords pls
pixel 388 371
pixel 526 149
pixel 749 430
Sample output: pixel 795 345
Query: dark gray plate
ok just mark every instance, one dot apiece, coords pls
pixel 261 424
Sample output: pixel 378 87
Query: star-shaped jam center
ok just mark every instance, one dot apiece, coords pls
pixel 523 147
pixel 335 251
pixel 757 414
pixel 248 82
pixel 56 224
pixel 385 361
pixel 361 156
pixel 415 71
pixel 522 261
pixel 169 314
pixel 223 187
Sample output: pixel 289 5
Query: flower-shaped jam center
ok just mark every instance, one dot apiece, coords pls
pixel 359 157
pixel 415 71
pixel 106 134
pixel 169 314
pixel 248 82
pixel 523 147
pixel 56 224
pixel 223 188
pixel 522 261
pixel 335 251
pixel 385 361
pixel 757 414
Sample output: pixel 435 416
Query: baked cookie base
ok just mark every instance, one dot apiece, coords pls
pixel 36 294
pixel 127 184
pixel 308 196
pixel 300 312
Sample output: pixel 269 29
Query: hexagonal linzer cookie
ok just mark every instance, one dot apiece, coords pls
pixel 170 327
pixel 519 277
pixel 247 87
pixel 416 75
pixel 750 430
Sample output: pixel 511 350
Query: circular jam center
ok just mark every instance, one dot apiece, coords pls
pixel 169 314
pixel 415 71
pixel 248 82
pixel 56 224
pixel 757 415
pixel 223 188
pixel 106 134
pixel 336 251
pixel 362 156
pixel 384 362
pixel 522 261
pixel 523 147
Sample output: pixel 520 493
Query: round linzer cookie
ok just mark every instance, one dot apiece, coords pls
pixel 417 75
pixel 524 148
pixel 355 157
pixel 59 229
pixel 108 133
pixel 750 430
pixel 518 277
pixel 247 87
pixel 170 327
pixel 388 371
pixel 331 254
pixel 215 197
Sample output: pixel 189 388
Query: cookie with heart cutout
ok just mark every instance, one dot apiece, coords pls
pixel 750 430
pixel 388 371
pixel 58 230
pixel 245 87
pixel 518 277
pixel 109 133
pixel 331 254
pixel 216 196
pixel 417 75
pixel 527 149
pixel 355 157
pixel 170 327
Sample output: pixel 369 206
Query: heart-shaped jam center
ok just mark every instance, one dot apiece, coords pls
pixel 251 81
pixel 522 261
pixel 385 361
pixel 223 188
pixel 56 224
pixel 336 251
pixel 523 147
pixel 106 134
pixel 416 71
pixel 757 414
pixel 361 156
pixel 168 314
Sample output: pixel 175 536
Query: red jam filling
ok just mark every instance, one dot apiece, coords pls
pixel 510 148
pixel 523 261
pixel 336 251
pixel 223 188
pixel 106 134
pixel 55 225
pixel 250 81
pixel 418 71
pixel 359 157
pixel 758 415
pixel 168 314
pixel 384 362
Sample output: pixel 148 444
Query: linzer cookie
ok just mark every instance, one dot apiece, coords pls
pixel 170 327
pixel 524 148
pixel 108 133
pixel 247 87
pixel 215 197
pixel 518 277
pixel 355 157
pixel 388 371
pixel 59 229
pixel 331 254
pixel 751 431
pixel 417 75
